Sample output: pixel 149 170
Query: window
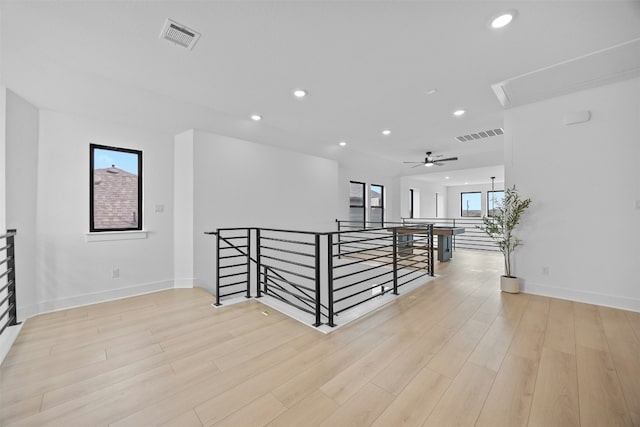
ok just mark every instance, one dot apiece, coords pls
pixel 115 189
pixel 376 199
pixel 471 204
pixel 494 201
pixel 356 204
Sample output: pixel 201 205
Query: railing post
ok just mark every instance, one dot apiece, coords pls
pixel 266 279
pixel 217 303
pixel 11 278
pixel 330 279
pixel 259 264
pixel 431 250
pixel 317 259
pixel 248 263
pixel 395 260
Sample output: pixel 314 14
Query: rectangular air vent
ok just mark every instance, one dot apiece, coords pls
pixel 480 135
pixel 179 34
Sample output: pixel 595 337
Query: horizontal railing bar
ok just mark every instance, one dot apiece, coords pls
pixel 297 296
pixel 233 256
pixel 335 278
pixel 289 272
pixel 233 293
pixel 9 307
pixel 10 321
pixel 335 267
pixel 299 264
pixel 241 282
pixel 224 276
pixel 242 264
pixel 233 247
pixel 361 302
pixel 296 242
pixel 361 281
pixel 284 300
pixel 263 247
pixel 295 285
pixel 9 295
pixel 9 270
pixel 9 283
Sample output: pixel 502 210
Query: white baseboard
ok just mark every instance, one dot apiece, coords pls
pixel 7 339
pixel 25 312
pixel 613 301
pixel 184 283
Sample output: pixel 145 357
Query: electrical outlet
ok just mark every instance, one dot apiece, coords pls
pixel 545 270
pixel 159 208
pixel 115 273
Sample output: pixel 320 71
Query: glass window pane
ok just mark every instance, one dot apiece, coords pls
pixel 115 189
pixel 471 204
pixel 494 201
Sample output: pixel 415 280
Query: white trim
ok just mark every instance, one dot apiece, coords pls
pixel 93 298
pixel 183 283
pixel 613 301
pixel 117 235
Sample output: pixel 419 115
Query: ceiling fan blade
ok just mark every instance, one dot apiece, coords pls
pixel 418 165
pixel 421 163
pixel 448 159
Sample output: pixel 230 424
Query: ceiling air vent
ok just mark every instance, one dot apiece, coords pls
pixel 179 34
pixel 480 135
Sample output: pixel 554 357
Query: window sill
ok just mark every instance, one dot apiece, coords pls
pixel 116 235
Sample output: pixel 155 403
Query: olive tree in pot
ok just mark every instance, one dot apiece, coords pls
pixel 500 228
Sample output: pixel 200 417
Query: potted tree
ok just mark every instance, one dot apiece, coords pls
pixel 500 228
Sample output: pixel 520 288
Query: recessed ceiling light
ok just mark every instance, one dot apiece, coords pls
pixel 466 183
pixel 459 113
pixel 299 93
pixel 256 117
pixel 432 91
pixel 446 177
pixel 503 19
pixel 342 143
pixel 386 132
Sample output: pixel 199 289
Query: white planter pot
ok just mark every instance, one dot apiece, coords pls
pixel 509 284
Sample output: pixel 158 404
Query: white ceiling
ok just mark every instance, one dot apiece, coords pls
pixel 367 66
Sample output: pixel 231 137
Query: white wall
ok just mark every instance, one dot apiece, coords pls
pixel 22 131
pixel 427 191
pixel 69 270
pixel 454 196
pixel 242 184
pixel 183 204
pixel 584 181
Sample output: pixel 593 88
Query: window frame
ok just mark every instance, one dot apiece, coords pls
pixel 381 207
pixel 92 228
pixel 462 215
pixel 364 202
pixel 488 199
pixel 411 201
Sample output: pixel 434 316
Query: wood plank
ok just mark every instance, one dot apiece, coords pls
pixel 416 402
pixel 362 409
pixel 509 399
pixel 257 413
pixel 463 400
pixel 555 400
pixel 588 327
pixel 601 398
pixel 309 412
pixel 493 346
pixel 456 351
pixel 560 332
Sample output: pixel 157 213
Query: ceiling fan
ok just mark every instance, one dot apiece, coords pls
pixel 432 160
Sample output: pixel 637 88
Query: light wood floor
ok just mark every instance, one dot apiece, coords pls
pixel 454 352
